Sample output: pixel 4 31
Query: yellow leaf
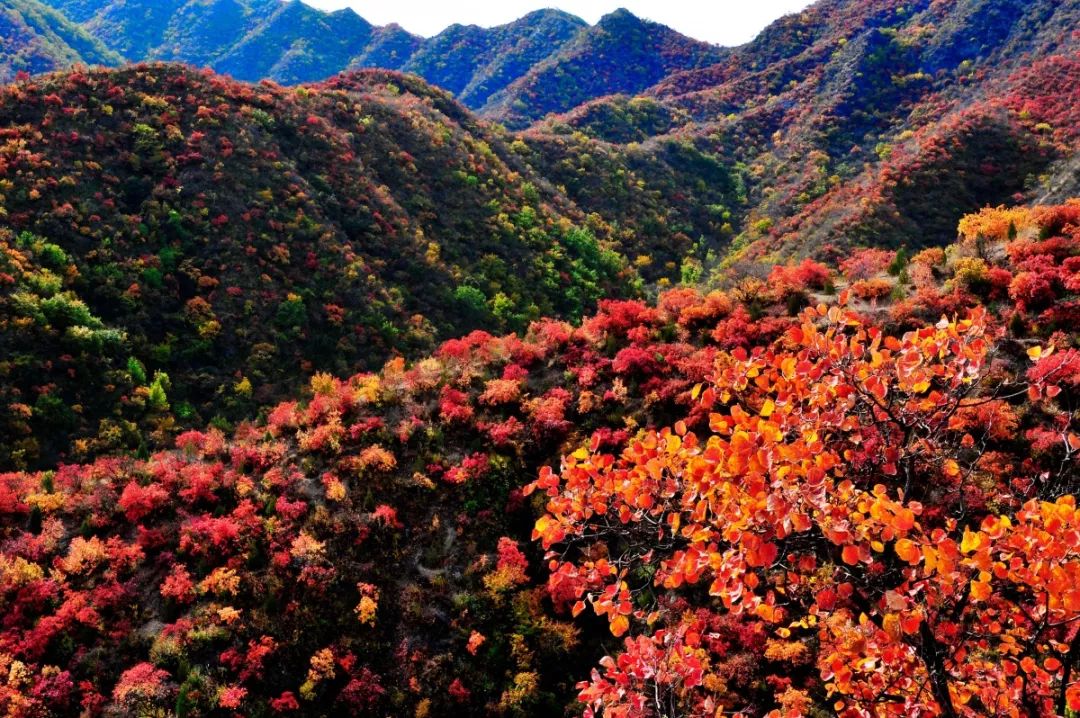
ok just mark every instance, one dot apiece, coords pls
pixel 619 625
pixel 1036 353
pixel 971 542
pixel 768 408
pixel 674 519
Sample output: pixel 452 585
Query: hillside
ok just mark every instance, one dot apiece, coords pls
pixel 391 46
pixel 367 550
pixel 475 63
pixel 132 28
pixel 291 42
pixel 601 374
pixel 712 174
pixel 620 54
pixel 34 38
pixel 847 116
pixel 239 238
pixel 295 44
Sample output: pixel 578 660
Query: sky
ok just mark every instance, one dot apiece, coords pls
pixel 724 22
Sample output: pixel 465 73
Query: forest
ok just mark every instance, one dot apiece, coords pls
pixel 749 390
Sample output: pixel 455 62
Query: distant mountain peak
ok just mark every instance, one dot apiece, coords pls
pixel 619 15
pixel 345 12
pixel 621 54
pixel 553 13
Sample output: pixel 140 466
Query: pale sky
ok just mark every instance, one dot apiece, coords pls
pixel 725 22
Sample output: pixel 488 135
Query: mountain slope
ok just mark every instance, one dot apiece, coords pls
pixel 79 10
pixel 34 38
pixel 848 114
pixel 391 47
pixel 474 63
pixel 621 54
pixel 827 133
pixel 133 28
pixel 199 33
pixel 243 236
pixel 295 44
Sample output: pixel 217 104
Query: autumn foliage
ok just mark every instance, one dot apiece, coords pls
pixel 894 511
pixel 862 507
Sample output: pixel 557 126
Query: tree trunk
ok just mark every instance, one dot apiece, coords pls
pixel 930 652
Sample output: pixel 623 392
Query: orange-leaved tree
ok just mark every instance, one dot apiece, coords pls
pixel 866 501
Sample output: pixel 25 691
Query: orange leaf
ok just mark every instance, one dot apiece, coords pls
pixel 619 625
pixel 891 624
pixel 908 551
pixel 1072 697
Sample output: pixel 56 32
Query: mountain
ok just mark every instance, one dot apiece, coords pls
pixel 230 235
pixel 848 115
pixel 391 46
pixel 621 54
pixel 35 38
pixel 750 389
pixel 79 10
pixel 291 42
pixel 295 44
pixel 199 33
pixel 825 134
pixel 134 27
pixel 474 63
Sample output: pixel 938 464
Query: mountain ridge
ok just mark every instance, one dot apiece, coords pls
pixel 291 42
pixel 35 38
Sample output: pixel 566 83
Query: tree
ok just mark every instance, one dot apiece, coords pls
pixel 839 501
